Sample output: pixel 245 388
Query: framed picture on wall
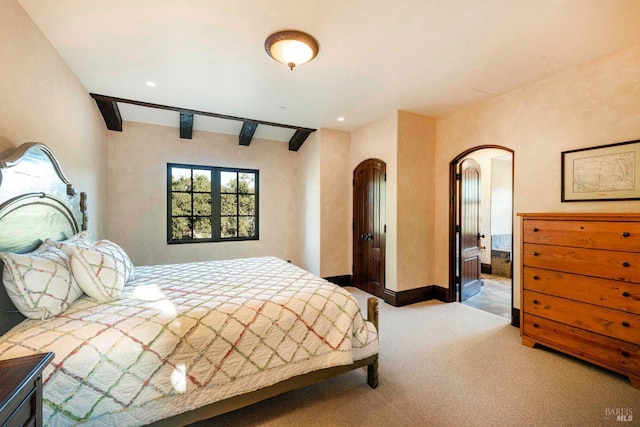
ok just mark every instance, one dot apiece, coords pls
pixel 606 172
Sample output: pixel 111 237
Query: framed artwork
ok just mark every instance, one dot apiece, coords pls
pixel 606 172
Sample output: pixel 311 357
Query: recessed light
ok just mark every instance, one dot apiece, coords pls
pixel 341 119
pixel 282 108
pixel 150 83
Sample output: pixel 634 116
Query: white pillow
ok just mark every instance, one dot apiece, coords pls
pixel 39 283
pixel 101 270
pixel 81 238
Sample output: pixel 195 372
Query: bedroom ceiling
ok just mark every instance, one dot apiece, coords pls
pixel 429 57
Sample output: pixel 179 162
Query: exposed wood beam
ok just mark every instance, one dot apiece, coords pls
pixel 298 138
pixel 109 107
pixel 186 125
pixel 247 132
pixel 196 112
pixel 110 113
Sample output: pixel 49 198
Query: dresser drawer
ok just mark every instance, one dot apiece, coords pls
pixel 614 265
pixel 619 355
pixel 608 293
pixel 617 236
pixel 601 320
pixel 25 414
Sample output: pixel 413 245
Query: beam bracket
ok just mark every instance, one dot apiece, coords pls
pixel 247 132
pixel 298 138
pixel 186 125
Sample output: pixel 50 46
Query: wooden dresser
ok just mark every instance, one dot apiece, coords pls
pixel 580 287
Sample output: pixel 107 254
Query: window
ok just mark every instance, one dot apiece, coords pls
pixel 211 204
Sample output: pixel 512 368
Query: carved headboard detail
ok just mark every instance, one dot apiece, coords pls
pixel 37 202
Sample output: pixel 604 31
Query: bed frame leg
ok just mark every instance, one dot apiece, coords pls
pixel 372 374
pixel 372 316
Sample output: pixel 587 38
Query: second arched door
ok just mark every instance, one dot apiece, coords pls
pixel 369 188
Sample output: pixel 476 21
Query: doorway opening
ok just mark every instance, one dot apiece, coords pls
pixel 481 230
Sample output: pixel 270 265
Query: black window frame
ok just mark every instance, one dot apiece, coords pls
pixel 216 201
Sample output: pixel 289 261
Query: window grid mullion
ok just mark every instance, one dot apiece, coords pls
pixel 193 219
pixel 237 204
pixel 216 204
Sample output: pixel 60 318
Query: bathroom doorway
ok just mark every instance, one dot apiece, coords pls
pixel 481 253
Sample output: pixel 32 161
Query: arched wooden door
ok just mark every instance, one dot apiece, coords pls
pixel 469 238
pixel 369 228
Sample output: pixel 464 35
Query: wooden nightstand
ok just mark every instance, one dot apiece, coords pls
pixel 21 390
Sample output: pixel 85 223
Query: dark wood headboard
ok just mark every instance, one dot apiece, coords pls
pixel 37 202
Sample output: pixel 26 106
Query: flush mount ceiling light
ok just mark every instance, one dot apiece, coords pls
pixel 291 47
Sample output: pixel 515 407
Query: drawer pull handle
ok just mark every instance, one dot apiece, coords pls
pixel 625 353
pixel 535 301
pixel 536 278
pixel 625 294
pixel 626 234
pixel 534 253
pixel 625 264
pixel 535 325
pixel 625 324
pixel 535 229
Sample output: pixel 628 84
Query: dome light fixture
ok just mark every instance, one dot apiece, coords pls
pixel 291 47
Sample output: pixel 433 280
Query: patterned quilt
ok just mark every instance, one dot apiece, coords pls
pixel 186 335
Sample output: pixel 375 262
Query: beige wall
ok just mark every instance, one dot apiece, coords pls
pixel 406 143
pixel 324 186
pixel 43 101
pixel 594 104
pixel 309 205
pixel 415 220
pixel 335 193
pixel 138 159
pixel 379 140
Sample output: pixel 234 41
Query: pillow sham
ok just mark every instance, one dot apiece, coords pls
pixel 101 270
pixel 81 238
pixel 39 283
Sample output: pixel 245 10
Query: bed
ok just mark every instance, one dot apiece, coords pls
pixel 177 343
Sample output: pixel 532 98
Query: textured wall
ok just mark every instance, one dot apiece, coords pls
pixel 501 195
pixel 416 178
pixel 308 200
pixel 593 104
pixel 43 101
pixel 138 159
pixel 335 190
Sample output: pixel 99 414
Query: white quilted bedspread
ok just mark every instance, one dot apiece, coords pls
pixel 187 335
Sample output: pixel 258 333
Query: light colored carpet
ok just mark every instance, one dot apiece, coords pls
pixel 452 365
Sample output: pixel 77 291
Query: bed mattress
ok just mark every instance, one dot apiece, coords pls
pixel 186 335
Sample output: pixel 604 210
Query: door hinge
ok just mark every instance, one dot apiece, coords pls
pixel 353 182
pixel 458 176
pixel 385 177
pixel 458 229
pixel 457 283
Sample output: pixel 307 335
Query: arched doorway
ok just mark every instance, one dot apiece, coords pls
pixel 369 190
pixel 481 229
